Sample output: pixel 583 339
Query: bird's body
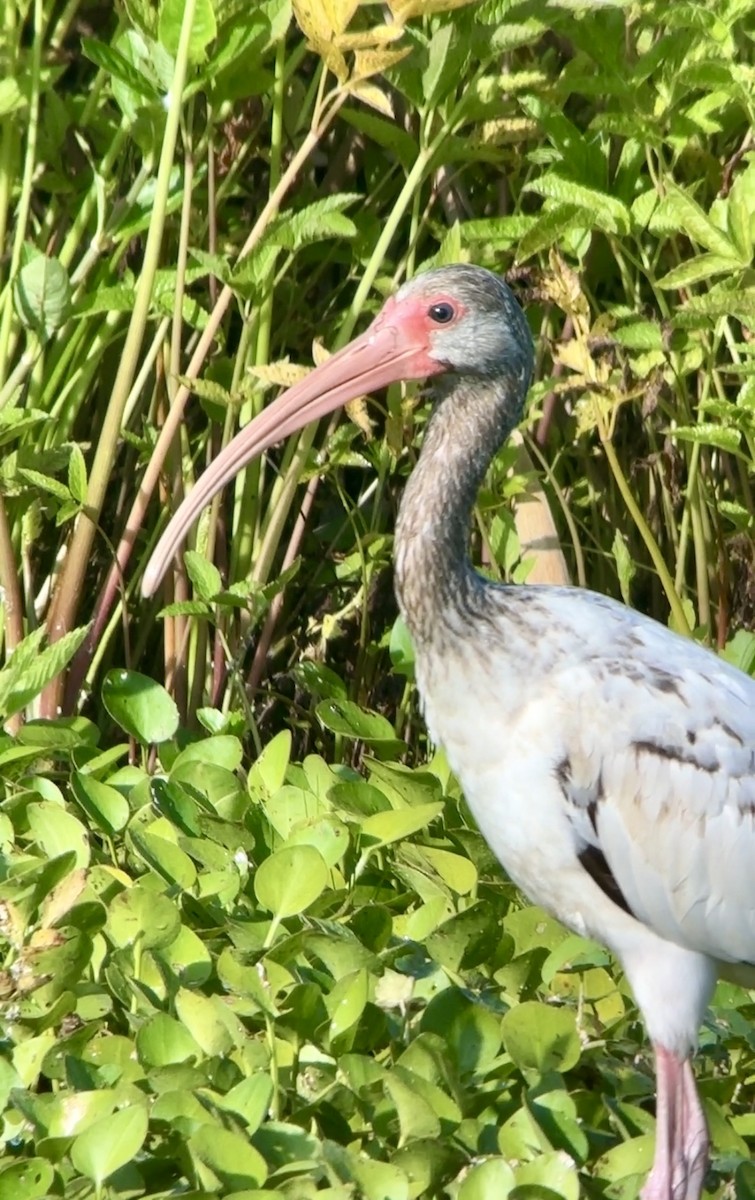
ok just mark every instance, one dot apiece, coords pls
pixel 609 766
pixel 609 763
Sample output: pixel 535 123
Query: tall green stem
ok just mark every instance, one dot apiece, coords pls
pixel 65 601
pixel 30 162
pixel 677 611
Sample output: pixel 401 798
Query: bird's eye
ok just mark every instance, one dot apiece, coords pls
pixel 441 313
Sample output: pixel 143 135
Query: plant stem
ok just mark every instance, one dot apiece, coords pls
pixel 677 611
pixel 30 162
pixel 70 584
pixel 155 465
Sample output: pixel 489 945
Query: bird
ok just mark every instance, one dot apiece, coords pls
pixel 608 761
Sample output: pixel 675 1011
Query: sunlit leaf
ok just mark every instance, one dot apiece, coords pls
pixel 42 295
pixel 290 880
pixel 110 1143
pixel 540 1037
pixel 203 27
pixel 140 706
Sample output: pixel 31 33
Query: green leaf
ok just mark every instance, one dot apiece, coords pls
pixel 466 939
pixel 417 1119
pixel 346 1001
pixel 446 56
pixel 141 915
pixel 203 27
pixel 153 64
pixel 30 670
pixel 540 1037
pixel 385 827
pixel 164 857
pixel 401 649
pixel 77 474
pixel 283 1145
pixel 741 651
pixel 630 1160
pixel 221 750
pixel 203 1016
pixel 269 771
pixel 679 213
pixel 42 295
pixel 494 1177
pixel 600 210
pixel 549 228
pixel 703 266
pixel 57 831
pixel 290 880
pixel 380 1180
pixel 106 300
pixel 251 1100
pixel 708 434
pixel 458 873
pixel 549 1175
pixel 740 210
pixel 12 98
pixel 625 568
pixel 163 1041
pixel 45 483
pixel 103 804
pixel 110 1143
pixel 229 1155
pixel 118 66
pixel 26 1180
pixel 348 719
pixel 317 222
pixel 203 574
pixel 388 134
pixel 140 706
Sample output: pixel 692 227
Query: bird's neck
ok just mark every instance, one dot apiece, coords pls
pixel 434 577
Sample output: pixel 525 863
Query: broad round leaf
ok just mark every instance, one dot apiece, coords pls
pixel 290 880
pixel 540 1037
pixel 550 1174
pixel 43 295
pixel 138 913
pixel 385 827
pixel 203 28
pixel 103 803
pixel 58 831
pixel 70 1115
pixel 140 706
pixel 269 771
pixel 491 1178
pixel 162 1041
pixel 26 1180
pixel 348 719
pixel 110 1143
pixel 165 857
pixel 203 1017
pixel 346 1001
pixel 229 1155
pixel 283 1145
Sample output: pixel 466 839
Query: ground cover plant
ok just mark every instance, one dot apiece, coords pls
pixel 252 943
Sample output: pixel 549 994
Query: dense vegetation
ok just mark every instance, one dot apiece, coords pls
pixel 237 971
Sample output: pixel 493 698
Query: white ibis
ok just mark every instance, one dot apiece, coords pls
pixel 609 763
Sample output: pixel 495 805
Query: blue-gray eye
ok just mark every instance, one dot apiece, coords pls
pixel 441 313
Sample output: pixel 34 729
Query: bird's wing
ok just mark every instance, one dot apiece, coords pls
pixel 658 781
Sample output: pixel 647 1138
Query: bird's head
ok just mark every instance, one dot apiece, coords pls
pixel 458 320
pixel 466 320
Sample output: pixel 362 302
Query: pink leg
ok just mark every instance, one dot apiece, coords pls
pixel 681 1148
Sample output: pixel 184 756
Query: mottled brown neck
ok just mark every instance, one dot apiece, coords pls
pixel 434 577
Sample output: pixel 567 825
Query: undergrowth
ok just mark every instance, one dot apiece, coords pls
pixel 225 973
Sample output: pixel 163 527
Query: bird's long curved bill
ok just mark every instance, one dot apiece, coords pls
pixel 386 352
